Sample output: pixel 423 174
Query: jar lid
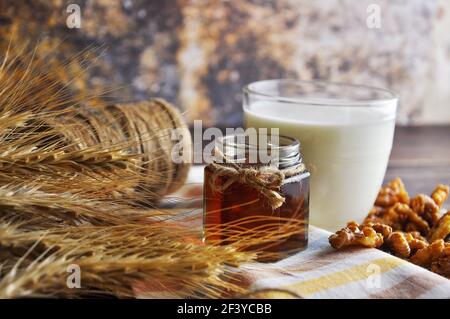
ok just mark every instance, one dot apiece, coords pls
pixel 276 150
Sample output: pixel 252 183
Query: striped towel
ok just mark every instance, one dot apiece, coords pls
pixel 322 272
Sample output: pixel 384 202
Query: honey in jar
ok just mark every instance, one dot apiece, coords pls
pixel 264 205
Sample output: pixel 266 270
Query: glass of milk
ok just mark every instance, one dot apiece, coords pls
pixel 346 134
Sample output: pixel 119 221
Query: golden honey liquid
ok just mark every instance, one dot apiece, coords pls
pixel 239 212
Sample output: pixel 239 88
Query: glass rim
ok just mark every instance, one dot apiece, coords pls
pixel 248 89
pixel 290 142
pixel 287 149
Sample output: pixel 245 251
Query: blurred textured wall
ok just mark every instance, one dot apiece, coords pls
pixel 198 54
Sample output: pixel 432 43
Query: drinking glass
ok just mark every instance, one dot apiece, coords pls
pixel 345 131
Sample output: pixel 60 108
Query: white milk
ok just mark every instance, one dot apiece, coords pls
pixel 346 149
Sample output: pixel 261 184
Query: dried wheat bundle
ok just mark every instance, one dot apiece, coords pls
pixel 71 172
pixel 53 134
pixel 77 175
pixel 115 260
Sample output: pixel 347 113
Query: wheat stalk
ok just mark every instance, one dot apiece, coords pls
pixel 48 130
pixel 29 204
pixel 114 259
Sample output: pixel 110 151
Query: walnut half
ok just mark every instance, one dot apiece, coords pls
pixel 356 235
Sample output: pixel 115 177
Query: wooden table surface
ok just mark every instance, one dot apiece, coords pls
pixel 421 157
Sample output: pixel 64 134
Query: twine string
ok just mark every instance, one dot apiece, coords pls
pixel 266 180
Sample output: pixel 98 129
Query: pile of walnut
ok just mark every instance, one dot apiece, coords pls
pixel 411 228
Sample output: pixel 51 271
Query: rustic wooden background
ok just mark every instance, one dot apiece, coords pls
pixel 421 157
pixel 198 54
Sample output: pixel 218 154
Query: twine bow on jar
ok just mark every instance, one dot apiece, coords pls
pixel 266 180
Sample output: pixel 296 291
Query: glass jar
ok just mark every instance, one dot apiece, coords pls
pixel 256 195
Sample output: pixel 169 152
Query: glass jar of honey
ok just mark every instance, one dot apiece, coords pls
pixel 256 195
